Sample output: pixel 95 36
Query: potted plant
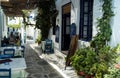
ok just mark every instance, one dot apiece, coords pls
pixel 38 40
pixel 91 63
pixel 83 60
pixel 113 73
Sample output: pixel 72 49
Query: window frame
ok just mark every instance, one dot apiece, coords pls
pixel 86 35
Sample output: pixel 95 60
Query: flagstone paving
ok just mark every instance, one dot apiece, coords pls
pixel 38 67
pixel 56 60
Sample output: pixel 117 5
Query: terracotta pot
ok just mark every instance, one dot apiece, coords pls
pixel 88 76
pixel 117 66
pixel 81 73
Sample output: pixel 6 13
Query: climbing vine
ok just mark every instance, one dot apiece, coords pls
pixel 104 28
pixel 103 56
pixel 100 41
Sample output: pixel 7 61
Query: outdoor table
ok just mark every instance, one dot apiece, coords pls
pixel 17 50
pixel 18 66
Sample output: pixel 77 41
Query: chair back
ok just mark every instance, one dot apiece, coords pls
pixel 9 51
pixel 23 47
pixel 5 73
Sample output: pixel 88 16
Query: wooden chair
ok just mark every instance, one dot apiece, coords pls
pixel 9 51
pixel 5 73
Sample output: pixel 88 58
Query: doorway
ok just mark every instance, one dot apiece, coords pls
pixel 66 17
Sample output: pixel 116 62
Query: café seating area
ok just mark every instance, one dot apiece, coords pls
pixel 12 61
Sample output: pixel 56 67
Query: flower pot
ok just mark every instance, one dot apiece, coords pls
pixel 88 76
pixel 81 73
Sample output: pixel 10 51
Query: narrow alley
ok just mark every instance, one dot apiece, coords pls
pixel 59 38
pixel 37 67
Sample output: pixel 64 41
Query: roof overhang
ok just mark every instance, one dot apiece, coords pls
pixel 15 7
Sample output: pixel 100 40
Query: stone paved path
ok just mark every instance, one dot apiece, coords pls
pixel 57 60
pixel 37 67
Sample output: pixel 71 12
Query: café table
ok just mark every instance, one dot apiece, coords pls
pixel 17 66
pixel 17 50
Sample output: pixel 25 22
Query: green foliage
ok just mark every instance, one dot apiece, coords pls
pixel 113 73
pixel 104 28
pixel 94 63
pixel 96 59
pixel 105 54
pixel 26 20
pixel 14 26
pixel 83 60
pixel 38 40
pixel 47 12
pixel 25 12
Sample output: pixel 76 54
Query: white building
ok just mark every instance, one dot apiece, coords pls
pixel 84 14
pixel 2 24
pixel 5 29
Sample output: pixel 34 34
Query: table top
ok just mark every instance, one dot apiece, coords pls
pixel 16 64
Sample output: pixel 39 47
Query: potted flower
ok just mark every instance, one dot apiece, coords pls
pixel 83 60
pixel 93 63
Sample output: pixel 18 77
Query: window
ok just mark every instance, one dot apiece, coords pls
pixel 86 12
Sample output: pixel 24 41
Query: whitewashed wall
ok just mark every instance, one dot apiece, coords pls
pixel 75 17
pixel 5 27
pixel 97 13
pixel 30 31
pixel 115 22
pixel 75 10
pixel 1 23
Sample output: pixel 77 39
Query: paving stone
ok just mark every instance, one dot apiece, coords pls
pixel 53 75
pixel 49 68
pixel 38 75
pixel 30 76
pixel 46 76
pixel 42 62
pixel 58 60
pixel 37 67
